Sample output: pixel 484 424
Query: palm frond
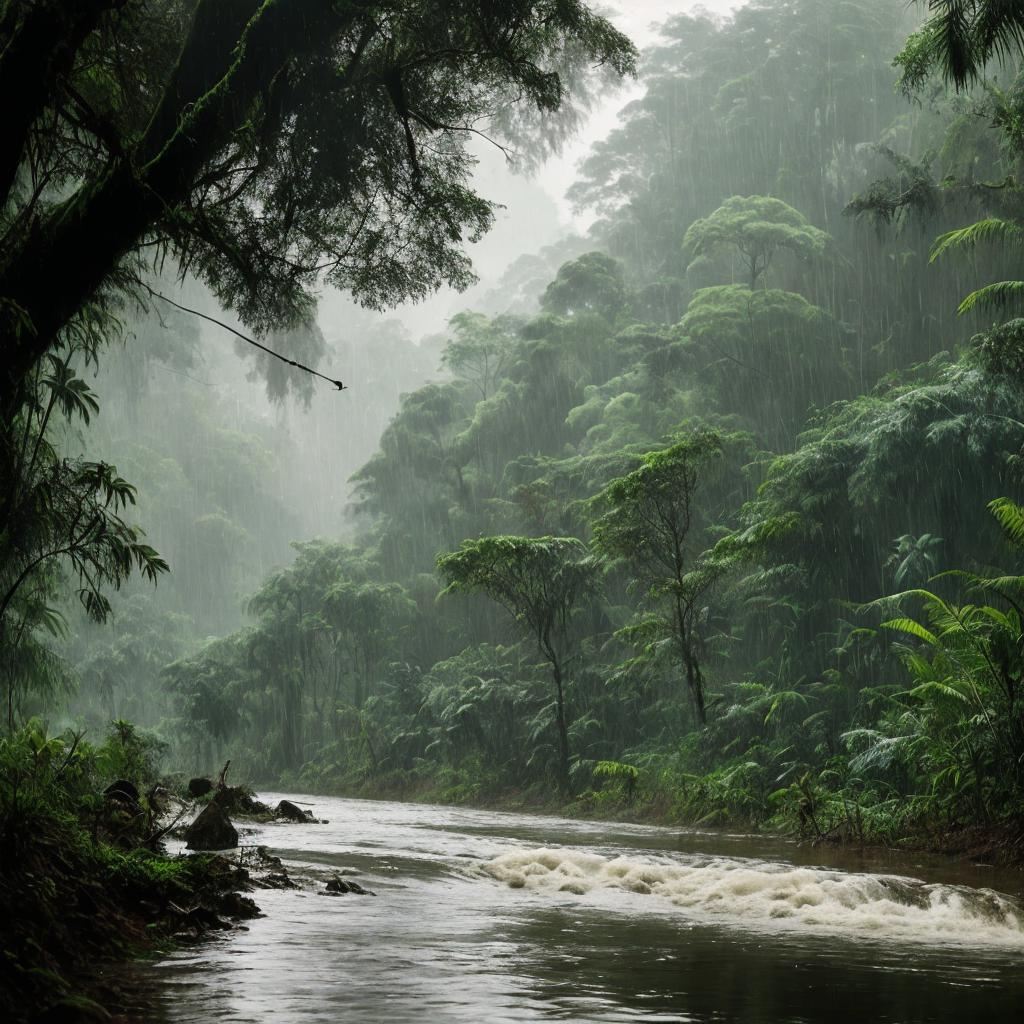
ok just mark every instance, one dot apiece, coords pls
pixel 990 229
pixel 906 625
pixel 1010 517
pixel 994 296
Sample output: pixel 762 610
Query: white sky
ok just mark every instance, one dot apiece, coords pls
pixel 637 18
pixel 536 212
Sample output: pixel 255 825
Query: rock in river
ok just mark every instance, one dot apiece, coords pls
pixel 199 787
pixel 339 887
pixel 212 830
pixel 286 809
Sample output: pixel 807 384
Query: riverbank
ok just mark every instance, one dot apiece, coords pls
pixel 85 881
pixel 77 911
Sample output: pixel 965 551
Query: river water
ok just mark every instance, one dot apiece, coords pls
pixel 483 916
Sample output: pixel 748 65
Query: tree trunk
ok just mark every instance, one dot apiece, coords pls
pixel 563 731
pixel 695 684
pixel 694 678
pixel 69 254
pixel 40 43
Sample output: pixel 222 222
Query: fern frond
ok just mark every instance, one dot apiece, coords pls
pixel 991 229
pixel 1010 516
pixel 940 689
pixel 912 627
pixel 994 296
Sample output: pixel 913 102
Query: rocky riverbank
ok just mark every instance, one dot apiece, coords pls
pixel 88 881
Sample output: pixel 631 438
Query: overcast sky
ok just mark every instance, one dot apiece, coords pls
pixel 535 211
pixel 638 19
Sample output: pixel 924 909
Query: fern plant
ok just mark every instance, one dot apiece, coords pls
pixel 1000 294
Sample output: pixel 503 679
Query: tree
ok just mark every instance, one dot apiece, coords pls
pixel 756 227
pixel 265 146
pixel 650 519
pixel 366 619
pixel 767 354
pixel 591 283
pixel 416 477
pixel 479 350
pixel 959 39
pixel 540 581
pixel 62 514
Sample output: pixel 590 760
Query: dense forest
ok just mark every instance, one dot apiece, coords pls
pixel 723 523
pixel 708 514
pixel 717 513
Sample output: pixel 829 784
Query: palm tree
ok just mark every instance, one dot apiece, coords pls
pixel 960 38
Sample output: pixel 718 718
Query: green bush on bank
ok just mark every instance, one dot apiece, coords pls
pixel 77 882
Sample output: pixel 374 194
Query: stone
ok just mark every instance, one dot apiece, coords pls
pixel 340 887
pixel 292 812
pixel 238 800
pixel 234 904
pixel 122 790
pixel 276 880
pixel 212 830
pixel 199 787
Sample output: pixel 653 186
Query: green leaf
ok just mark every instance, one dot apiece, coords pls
pixel 993 296
pixel 988 230
pixel 914 628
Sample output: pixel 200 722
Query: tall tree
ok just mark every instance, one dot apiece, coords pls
pixel 266 146
pixel 651 520
pixel 479 350
pixel 756 228
pixel 540 581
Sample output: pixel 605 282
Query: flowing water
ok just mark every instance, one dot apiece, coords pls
pixel 484 916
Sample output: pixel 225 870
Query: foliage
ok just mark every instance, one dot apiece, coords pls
pixel 79 879
pixel 958 40
pixel 756 227
pixel 478 351
pixel 591 283
pixel 541 582
pixel 649 518
pixel 225 143
pixel 61 517
pixel 681 457
pixel 766 355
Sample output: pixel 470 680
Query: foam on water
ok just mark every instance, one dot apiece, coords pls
pixel 777 896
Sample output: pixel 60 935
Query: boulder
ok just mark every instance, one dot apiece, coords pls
pixel 292 812
pixel 339 887
pixel 122 790
pixel 159 799
pixel 212 830
pixel 199 787
pixel 276 880
pixel 234 904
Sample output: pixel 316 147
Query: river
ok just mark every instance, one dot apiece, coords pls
pixel 483 916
